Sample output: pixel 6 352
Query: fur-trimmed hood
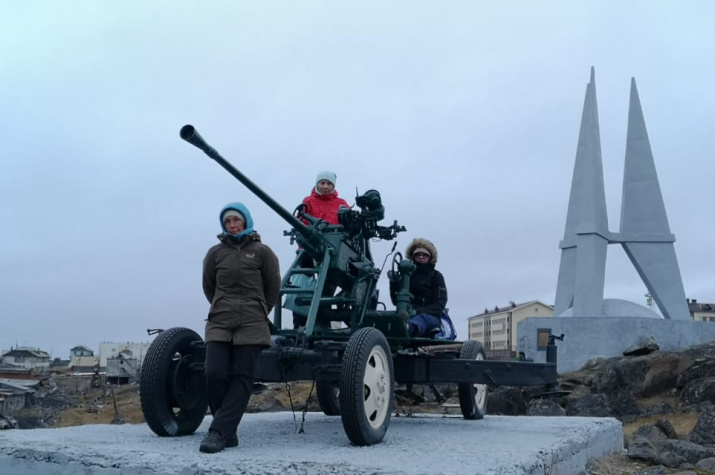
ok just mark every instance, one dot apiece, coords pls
pixel 420 242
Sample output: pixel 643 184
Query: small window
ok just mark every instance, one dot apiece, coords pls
pixel 542 338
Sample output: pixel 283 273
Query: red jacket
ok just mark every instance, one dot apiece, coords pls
pixel 324 207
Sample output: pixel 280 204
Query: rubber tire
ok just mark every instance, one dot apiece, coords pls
pixel 366 387
pixel 328 393
pixel 473 397
pixel 157 383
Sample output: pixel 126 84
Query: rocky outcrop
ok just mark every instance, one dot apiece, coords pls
pixel 619 387
pixel 704 431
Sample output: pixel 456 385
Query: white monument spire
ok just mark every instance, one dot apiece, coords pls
pixel 583 256
pixel 644 234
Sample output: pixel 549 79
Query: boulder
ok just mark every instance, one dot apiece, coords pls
pixel 697 391
pixel 661 375
pixel 698 369
pixel 704 431
pixel 667 428
pixel 650 432
pixel 592 405
pixel 706 465
pixel 510 400
pixel 661 407
pixel 641 448
pixel 644 346
pixel 544 407
pixel 686 450
pixel 607 376
pixel 622 405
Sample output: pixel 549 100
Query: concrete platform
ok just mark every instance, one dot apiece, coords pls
pixel 270 444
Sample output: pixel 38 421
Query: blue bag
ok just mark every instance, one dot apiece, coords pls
pixel 447 331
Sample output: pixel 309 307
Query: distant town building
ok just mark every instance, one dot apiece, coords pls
pixel 59 363
pixel 26 358
pixel 84 364
pixel 122 368
pixel 81 351
pixel 701 312
pixel 496 328
pixel 128 350
pixel 15 394
pixel 16 372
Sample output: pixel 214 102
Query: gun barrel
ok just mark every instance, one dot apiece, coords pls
pixel 191 135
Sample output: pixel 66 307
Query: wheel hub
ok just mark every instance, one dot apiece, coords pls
pixel 187 384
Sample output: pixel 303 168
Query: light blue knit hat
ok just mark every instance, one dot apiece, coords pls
pixel 241 208
pixel 326 175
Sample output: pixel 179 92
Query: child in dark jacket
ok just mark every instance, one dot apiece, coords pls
pixel 427 288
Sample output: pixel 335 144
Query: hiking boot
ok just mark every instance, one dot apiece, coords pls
pixel 232 441
pixel 213 442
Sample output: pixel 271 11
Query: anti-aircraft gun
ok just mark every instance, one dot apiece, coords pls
pixel 354 367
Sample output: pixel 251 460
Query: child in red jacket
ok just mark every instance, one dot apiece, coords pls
pixel 324 202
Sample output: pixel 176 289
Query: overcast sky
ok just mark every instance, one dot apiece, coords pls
pixel 463 114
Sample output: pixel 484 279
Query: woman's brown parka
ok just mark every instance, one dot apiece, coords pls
pixel 241 280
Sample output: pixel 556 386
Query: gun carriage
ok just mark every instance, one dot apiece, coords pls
pixel 355 368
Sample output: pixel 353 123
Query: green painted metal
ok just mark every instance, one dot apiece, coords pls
pixel 343 262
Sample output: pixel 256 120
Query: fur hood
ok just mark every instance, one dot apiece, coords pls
pixel 419 242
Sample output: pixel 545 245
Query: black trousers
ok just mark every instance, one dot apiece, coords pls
pixel 230 371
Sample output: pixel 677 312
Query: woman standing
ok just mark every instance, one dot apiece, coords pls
pixel 241 280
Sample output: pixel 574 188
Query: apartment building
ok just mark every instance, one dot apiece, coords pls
pixel 701 312
pixel 496 328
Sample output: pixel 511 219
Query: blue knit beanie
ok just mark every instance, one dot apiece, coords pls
pixel 243 211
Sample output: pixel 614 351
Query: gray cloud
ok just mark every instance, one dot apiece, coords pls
pixel 465 116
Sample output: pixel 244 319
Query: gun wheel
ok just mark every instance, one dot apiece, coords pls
pixel 172 395
pixel 328 393
pixel 366 387
pixel 473 397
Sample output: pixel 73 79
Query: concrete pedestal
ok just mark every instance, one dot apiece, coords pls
pixel 591 337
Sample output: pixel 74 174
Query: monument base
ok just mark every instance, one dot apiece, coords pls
pixel 593 337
